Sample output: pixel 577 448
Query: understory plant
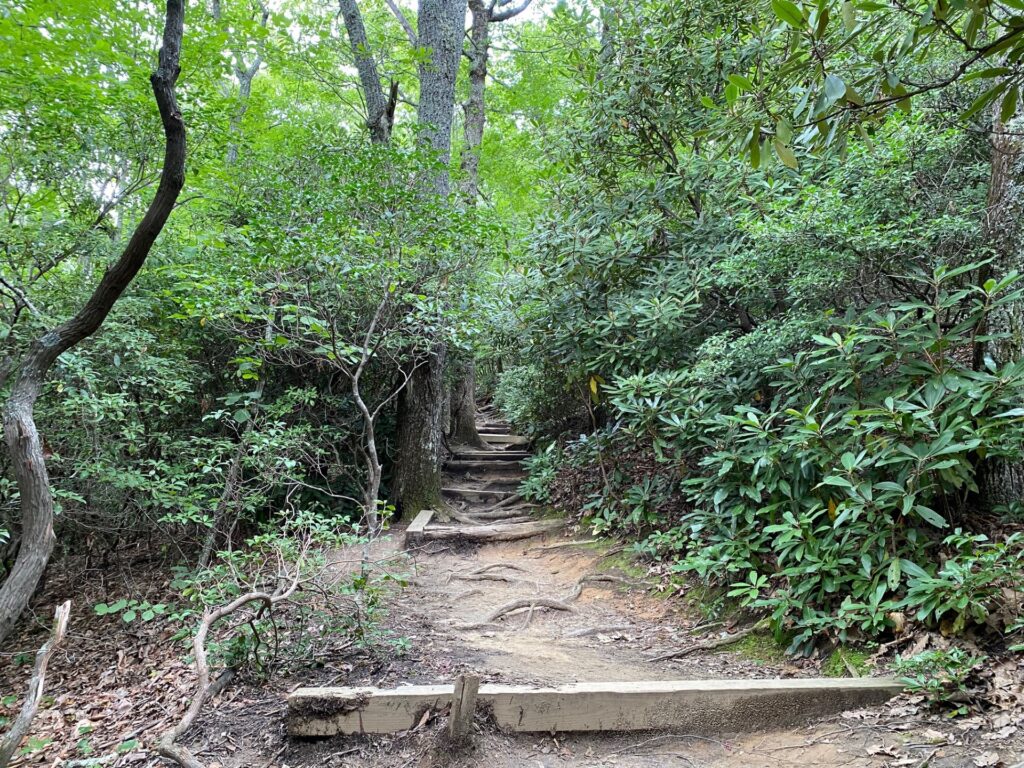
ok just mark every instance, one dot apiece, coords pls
pixel 836 496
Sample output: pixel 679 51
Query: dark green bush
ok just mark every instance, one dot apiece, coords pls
pixel 830 506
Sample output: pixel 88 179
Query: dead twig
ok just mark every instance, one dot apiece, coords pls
pixel 35 685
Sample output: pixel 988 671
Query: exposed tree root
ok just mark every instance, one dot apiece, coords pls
pixel 602 630
pixel 553 604
pixel 527 602
pixel 707 645
pixel 563 544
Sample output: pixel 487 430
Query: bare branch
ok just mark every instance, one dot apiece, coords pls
pixel 505 10
pixel 35 686
pixel 409 31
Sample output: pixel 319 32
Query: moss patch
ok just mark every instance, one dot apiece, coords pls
pixel 847 662
pixel 761 648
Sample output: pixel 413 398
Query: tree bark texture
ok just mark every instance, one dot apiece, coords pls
pixel 463 408
pixel 418 469
pixel 380 109
pixel 474 107
pixel 22 437
pixel 441 32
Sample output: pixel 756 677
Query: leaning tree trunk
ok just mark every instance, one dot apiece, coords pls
pixel 23 439
pixel 418 469
pixel 1001 482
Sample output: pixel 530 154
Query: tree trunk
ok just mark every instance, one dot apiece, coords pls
pixel 418 470
pixel 23 439
pixel 463 408
pixel 380 110
pixel 441 32
pixel 1001 482
pixel 474 108
pixel 421 404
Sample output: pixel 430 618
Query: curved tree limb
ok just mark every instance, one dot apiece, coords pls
pixel 205 689
pixel 23 439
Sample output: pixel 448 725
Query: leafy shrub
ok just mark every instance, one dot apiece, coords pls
pixel 542 470
pixel 825 505
pixel 941 675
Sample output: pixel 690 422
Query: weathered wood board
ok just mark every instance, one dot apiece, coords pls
pixel 693 706
pixel 414 533
pixel 505 439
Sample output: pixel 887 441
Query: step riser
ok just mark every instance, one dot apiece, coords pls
pixel 476 496
pixel 712 707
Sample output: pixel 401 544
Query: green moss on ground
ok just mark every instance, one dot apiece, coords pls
pixel 760 647
pixel 844 662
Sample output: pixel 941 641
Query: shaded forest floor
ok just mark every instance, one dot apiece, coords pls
pixel 115 686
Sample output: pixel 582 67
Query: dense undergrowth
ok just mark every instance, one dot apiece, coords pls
pixel 798 386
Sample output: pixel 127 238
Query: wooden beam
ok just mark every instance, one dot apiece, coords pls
pixel 693 706
pixel 414 533
pixel 460 719
pixel 505 439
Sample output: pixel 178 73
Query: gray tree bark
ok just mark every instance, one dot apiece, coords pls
pixel 441 32
pixel 421 405
pixel 23 439
pixel 463 408
pixel 380 108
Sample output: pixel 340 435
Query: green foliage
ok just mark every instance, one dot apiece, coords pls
pixel 541 472
pixel 941 675
pixel 131 609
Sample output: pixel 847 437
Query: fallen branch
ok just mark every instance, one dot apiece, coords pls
pixel 205 690
pixel 35 685
pixel 708 645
